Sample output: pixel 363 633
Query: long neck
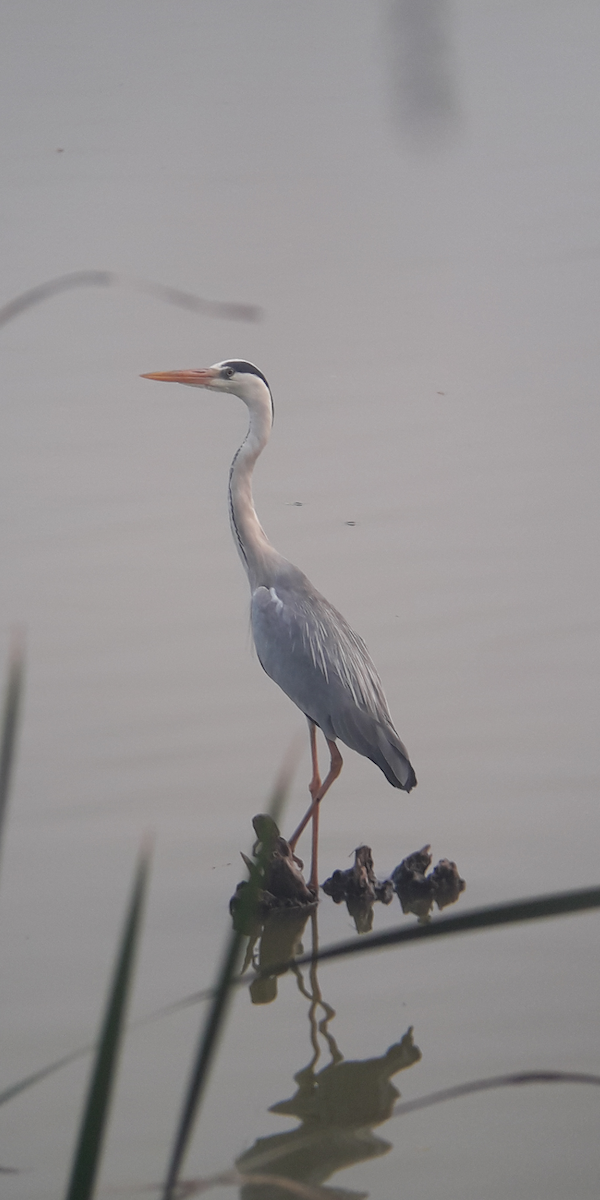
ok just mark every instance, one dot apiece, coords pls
pixel 254 547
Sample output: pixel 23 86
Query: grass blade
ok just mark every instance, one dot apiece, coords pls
pixel 10 724
pixel 207 1046
pixel 518 1079
pixel 557 904
pixel 533 909
pixel 283 1183
pixel 95 1114
pixel 15 1089
pixel 215 1018
pixel 221 309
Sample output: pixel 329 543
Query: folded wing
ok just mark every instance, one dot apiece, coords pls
pixel 307 647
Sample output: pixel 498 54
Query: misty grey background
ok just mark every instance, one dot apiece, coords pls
pixel 411 195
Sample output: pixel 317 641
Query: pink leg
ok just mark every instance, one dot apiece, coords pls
pixel 314 876
pixel 317 791
pixel 315 782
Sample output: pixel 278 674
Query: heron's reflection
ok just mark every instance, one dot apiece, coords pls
pixel 275 939
pixel 339 1104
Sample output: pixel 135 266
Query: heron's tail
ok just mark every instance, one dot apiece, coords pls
pixel 392 758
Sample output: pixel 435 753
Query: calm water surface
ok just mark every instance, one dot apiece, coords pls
pixel 410 194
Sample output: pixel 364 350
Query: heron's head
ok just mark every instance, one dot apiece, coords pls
pixel 237 376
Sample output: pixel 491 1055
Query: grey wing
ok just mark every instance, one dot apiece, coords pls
pixel 309 649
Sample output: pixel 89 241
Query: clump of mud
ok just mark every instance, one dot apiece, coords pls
pixel 416 890
pixel 275 877
pixel 275 883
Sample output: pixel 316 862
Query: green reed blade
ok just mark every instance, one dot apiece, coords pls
pixel 555 905
pixel 535 908
pixel 215 1018
pixel 516 1079
pixel 95 1114
pixel 10 725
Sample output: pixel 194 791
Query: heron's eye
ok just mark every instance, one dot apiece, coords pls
pixel 229 372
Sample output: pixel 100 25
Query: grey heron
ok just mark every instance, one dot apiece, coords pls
pixel 303 643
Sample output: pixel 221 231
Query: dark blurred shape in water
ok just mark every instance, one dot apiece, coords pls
pixel 360 888
pixel 338 1108
pixel 225 309
pixel 417 891
pixel 424 95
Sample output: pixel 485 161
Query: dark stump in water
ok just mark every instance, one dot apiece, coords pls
pixel 275 878
pixel 360 888
pixel 418 892
pixel 359 881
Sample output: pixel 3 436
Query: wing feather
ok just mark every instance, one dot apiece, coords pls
pixel 307 647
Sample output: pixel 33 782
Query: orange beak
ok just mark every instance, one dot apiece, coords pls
pixel 192 378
